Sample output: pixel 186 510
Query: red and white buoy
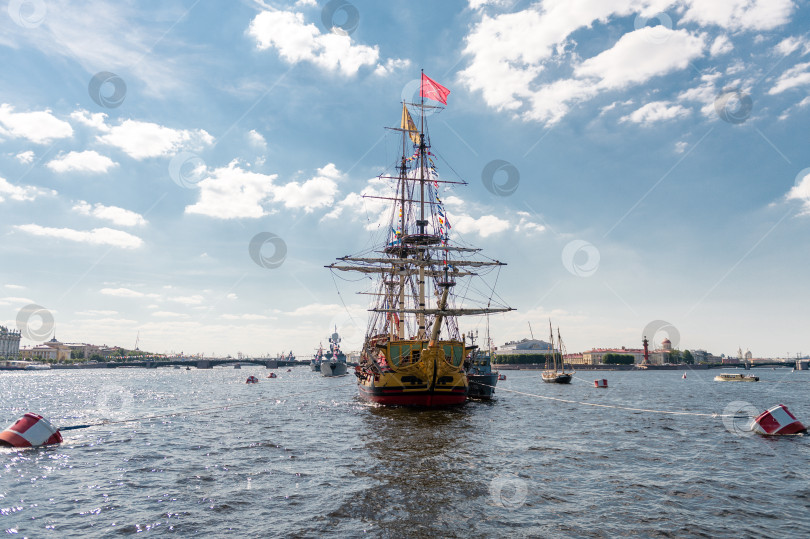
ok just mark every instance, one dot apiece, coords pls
pixel 31 430
pixel 777 421
pixel 252 380
pixel 600 383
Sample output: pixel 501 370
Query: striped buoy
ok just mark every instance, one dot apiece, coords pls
pixel 31 430
pixel 600 383
pixel 777 421
pixel 252 380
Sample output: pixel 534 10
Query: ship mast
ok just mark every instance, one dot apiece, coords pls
pixel 415 262
pixel 421 223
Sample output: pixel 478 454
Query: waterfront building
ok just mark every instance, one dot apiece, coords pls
pixel 40 351
pixel 62 350
pixel 596 355
pixel 83 350
pixel 9 343
pixel 524 346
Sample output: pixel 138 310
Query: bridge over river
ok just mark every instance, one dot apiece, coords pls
pixel 188 362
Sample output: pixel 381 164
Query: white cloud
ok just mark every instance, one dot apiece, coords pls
pixel 114 214
pixel 257 140
pixel 705 94
pixel 484 226
pixel 126 293
pixel 92 312
pixel 86 161
pixel 655 112
pixel 96 120
pixel 307 3
pixel 40 127
pixel 314 193
pixel 391 65
pixel 790 44
pixel 7 301
pixel 96 236
pixel 140 140
pixel 478 4
pixel 681 146
pixel 739 14
pixel 233 193
pixel 118 37
pixel 632 60
pixel 188 300
pixel 525 225
pixel 25 157
pixel 231 296
pixel 14 287
pixel 297 41
pixel 721 45
pixel 244 317
pixel 800 105
pixel 798 75
pixel 24 193
pixel 801 192
pixel 354 204
pixel 168 314
pixel 510 54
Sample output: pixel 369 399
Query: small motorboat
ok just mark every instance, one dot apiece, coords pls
pixel 684 376
pixel 289 370
pixel 272 375
pixel 252 380
pixel 501 376
pixel 734 377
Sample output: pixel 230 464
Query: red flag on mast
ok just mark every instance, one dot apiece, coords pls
pixel 433 90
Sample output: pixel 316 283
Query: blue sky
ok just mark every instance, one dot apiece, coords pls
pixel 660 148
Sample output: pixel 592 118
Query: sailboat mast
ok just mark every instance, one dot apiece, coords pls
pixel 421 223
pixel 553 352
pixel 402 179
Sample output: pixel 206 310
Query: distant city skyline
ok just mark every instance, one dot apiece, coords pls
pixel 183 172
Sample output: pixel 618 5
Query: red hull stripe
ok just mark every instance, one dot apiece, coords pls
pixel 415 399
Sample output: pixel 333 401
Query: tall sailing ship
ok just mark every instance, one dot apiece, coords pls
pixel 413 352
pixel 555 372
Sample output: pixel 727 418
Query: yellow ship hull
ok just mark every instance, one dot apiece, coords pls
pixel 410 373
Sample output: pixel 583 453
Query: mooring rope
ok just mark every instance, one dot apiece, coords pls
pixel 200 411
pixel 615 406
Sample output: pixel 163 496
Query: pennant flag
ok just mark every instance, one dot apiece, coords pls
pixel 433 90
pixel 408 125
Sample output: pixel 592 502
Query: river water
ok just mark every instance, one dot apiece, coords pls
pixel 325 463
